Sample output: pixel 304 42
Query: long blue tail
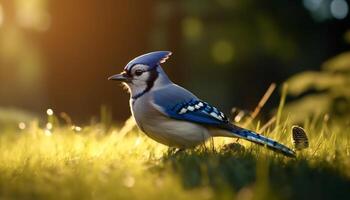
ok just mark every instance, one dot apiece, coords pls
pixel 261 140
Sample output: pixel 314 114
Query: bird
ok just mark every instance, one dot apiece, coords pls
pixel 174 116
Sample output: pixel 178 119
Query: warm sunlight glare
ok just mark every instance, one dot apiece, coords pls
pixel 32 14
pixel 1 15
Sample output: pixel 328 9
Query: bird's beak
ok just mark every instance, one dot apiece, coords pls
pixel 120 77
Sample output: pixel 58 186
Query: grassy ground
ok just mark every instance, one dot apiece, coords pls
pixel 92 163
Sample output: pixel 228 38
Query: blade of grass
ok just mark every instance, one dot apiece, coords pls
pixel 261 104
pixel 267 124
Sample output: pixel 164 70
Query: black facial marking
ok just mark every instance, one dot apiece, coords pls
pixel 150 82
pixel 128 71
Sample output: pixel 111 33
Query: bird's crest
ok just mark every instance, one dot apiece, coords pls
pixel 150 59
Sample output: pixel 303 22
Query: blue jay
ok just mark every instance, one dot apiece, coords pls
pixel 172 115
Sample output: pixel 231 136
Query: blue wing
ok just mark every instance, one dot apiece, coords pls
pixel 178 103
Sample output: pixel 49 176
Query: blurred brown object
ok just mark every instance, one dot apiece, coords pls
pixel 300 139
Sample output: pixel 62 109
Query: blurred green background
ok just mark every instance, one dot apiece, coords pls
pixel 58 53
pixel 59 114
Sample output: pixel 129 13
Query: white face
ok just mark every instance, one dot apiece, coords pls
pixel 139 79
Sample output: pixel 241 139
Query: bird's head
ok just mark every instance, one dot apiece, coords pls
pixel 143 73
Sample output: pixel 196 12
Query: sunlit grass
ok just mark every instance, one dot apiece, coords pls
pixel 81 165
pixel 55 159
pixel 95 163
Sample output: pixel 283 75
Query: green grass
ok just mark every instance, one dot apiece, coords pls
pixel 97 164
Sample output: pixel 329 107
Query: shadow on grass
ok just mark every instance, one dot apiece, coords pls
pixel 235 168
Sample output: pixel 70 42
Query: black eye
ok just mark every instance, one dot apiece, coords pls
pixel 138 72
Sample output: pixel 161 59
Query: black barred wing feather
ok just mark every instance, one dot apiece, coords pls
pixel 198 111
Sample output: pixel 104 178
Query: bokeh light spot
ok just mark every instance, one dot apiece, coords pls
pixel 222 52
pixel 312 5
pixel 192 28
pixel 129 181
pixel 47 132
pixel 49 112
pixel 77 128
pixel 49 126
pixel 22 125
pixel 339 9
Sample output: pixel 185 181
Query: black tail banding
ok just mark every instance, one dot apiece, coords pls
pixel 261 140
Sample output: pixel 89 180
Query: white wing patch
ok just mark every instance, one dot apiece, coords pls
pixel 213 114
pixel 212 111
pixel 183 111
pixel 191 108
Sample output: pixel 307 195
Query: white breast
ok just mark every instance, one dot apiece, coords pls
pixel 170 132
